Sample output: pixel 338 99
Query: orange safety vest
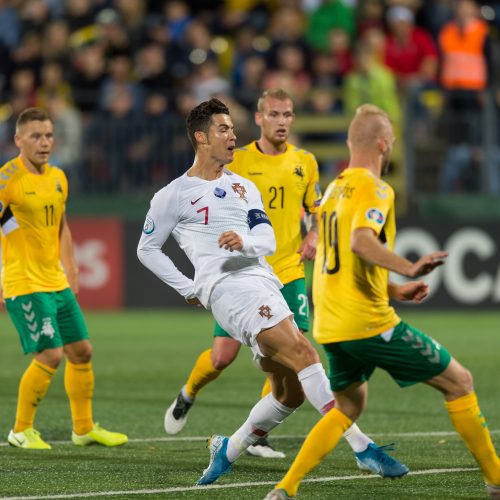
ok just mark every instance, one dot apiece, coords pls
pixel 464 64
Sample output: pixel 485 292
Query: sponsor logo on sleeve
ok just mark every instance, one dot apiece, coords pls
pixel 375 215
pixel 149 225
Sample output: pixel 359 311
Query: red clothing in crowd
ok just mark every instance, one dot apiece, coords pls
pixel 405 60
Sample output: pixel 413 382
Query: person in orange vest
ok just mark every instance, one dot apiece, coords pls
pixel 464 45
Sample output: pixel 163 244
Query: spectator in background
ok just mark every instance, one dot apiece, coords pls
pixel 34 15
pixel 324 71
pixel 375 40
pixel 55 43
pixel 79 14
pixel 370 14
pixel 132 14
pixel 244 48
pixel 410 51
pixel 67 150
pixel 10 111
pixel 52 83
pixel 121 75
pixel 177 19
pixel 340 51
pixel 112 34
pixel 370 82
pixel 250 87
pixel 10 26
pixel 29 53
pixel 464 44
pixel 23 82
pixel 151 67
pixel 207 81
pixel 292 73
pixel 88 73
pixel 331 14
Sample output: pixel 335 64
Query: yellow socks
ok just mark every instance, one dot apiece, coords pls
pixel 79 385
pixel 322 438
pixel 202 373
pixel 32 389
pixel 471 425
pixel 266 388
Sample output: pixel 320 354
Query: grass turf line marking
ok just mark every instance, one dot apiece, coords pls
pixel 283 436
pixel 180 489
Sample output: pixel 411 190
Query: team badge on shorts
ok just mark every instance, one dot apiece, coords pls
pixel 265 312
pixel 375 215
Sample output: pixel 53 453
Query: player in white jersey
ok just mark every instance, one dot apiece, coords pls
pixel 219 221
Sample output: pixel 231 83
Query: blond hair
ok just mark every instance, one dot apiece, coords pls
pixel 278 93
pixel 369 124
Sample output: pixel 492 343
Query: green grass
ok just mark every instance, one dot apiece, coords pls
pixel 141 360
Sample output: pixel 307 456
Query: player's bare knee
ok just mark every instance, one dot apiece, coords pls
pixel 305 354
pixel 221 360
pixel 80 354
pixel 465 381
pixel 50 357
pixel 350 409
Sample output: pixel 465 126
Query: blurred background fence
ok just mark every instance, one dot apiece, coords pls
pixel 119 76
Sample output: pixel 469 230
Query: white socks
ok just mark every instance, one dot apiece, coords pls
pixel 356 439
pixel 316 387
pixel 265 416
pixel 187 398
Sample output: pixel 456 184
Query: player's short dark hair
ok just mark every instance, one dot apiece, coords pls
pixel 32 115
pixel 200 117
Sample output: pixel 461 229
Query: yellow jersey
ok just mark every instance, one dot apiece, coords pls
pixel 31 209
pixel 287 182
pixel 350 296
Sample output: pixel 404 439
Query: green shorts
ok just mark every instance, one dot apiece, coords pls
pixel 409 356
pixel 45 320
pixel 295 294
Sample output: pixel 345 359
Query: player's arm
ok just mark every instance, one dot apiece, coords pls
pixel 414 291
pixel 2 301
pixel 260 240
pixel 67 255
pixel 307 249
pixel 312 200
pixel 366 245
pixel 160 222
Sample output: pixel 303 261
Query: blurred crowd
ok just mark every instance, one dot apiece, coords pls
pixel 118 76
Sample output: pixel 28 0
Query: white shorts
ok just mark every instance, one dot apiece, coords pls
pixel 244 306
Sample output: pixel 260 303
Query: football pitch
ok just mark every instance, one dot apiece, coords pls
pixel 141 360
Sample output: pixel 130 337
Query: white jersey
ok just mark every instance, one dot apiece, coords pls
pixel 196 212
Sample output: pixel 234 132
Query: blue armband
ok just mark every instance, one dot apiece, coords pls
pixel 256 216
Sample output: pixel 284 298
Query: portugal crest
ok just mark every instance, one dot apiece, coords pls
pixel 265 312
pixel 239 189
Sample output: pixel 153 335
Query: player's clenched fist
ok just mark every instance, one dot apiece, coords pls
pixel 230 241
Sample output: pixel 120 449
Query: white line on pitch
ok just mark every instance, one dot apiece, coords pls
pixel 282 436
pixel 181 489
